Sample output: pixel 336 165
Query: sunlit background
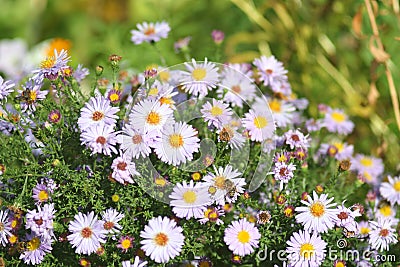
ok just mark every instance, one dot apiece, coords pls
pixel 326 45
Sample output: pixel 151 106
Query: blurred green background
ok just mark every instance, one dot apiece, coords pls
pixel 325 45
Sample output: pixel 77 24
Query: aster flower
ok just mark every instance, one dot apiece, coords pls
pixel 345 218
pixel 218 36
pixel 263 217
pixel 217 113
pixel 123 169
pixel 5 227
pixel 30 95
pixel 148 115
pixel 364 228
pixel 368 166
pixel 97 111
pixel 37 248
pixel 182 44
pixel 41 221
pixel 189 200
pixel 136 263
pixel 88 233
pixel 100 139
pixel 282 112
pixel 111 217
pixel 41 193
pixel 213 214
pixel 305 249
pixel 283 172
pixel 199 78
pixel 382 234
pixel 6 87
pixel 80 73
pixel 336 121
pixel 317 216
pixel 260 124
pixel 54 116
pixel 338 150
pixel 162 239
pixel 150 32
pixel 313 125
pixel 228 133
pixel 391 190
pixel 242 237
pixel 53 66
pixel 296 139
pixel 137 142
pixel 178 143
pixel 270 69
pixel 125 243
pixel 225 185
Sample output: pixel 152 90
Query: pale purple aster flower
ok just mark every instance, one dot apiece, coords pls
pixel 216 113
pixel 283 172
pixel 305 249
pixel 218 36
pixel 5 227
pixel 283 156
pixel 281 85
pixel 382 234
pixel 242 237
pixel 137 143
pixel 178 143
pixel 54 116
pixel 336 121
pixel 364 228
pixel 260 124
pixel 270 69
pixel 88 233
pixel 37 248
pixel 100 139
pixel 41 221
pixel 317 215
pixel 162 239
pixel 296 139
pixel 339 150
pixel 368 166
pixel 136 263
pixel 313 125
pixel 30 95
pixel 80 73
pixel 189 200
pixel 125 243
pixel 97 111
pixel 123 169
pixel 390 190
pixel 182 44
pixel 345 218
pixel 42 191
pixel 150 32
pixel 110 218
pixel 6 87
pixel 213 214
pixel 53 66
pixel 199 78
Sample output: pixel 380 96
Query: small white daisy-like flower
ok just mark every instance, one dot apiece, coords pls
pixel 87 233
pixel 225 185
pixel 296 139
pixel 282 112
pixel 150 32
pixel 163 92
pixel 242 237
pixel 199 78
pixel 305 249
pixel 260 124
pixel 123 169
pixel 148 115
pixel 336 121
pixel 30 94
pixel 228 133
pixel 391 190
pixel 6 87
pixel 189 200
pixel 382 234
pixel 345 218
pixel 364 228
pixel 97 110
pixel 136 142
pixel 178 143
pixel 162 239
pixel 41 221
pixel 317 216
pixel 5 227
pixel 110 218
pixel 100 139
pixel 217 113
pixel 283 172
pixel 270 69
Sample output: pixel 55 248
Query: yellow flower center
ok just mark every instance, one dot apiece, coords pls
pixel 339 264
pixel 164 76
pixel 161 239
pixel 43 195
pixel 176 140
pixel 386 210
pixel 14 223
pixel 166 101
pixel 160 181
pixel 13 239
pixel 126 243
pixel 365 230
pixel 317 209
pixel 54 117
pixel 153 91
pixel 196 176
pixel 307 250
pixel 220 182
pixel 153 118
pixel 34 244
pixel 199 74
pixel 396 186
pixel 32 95
pixel 189 197
pixel 47 63
pixel 207 212
pixel 275 106
pixel 339 147
pixel 367 162
pixel 243 237
pixel 338 117
pixel 260 122
pixel 114 97
pixel 216 111
pixel 367 176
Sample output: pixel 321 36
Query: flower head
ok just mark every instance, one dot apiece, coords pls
pixel 125 243
pixel 5 227
pixel 336 121
pixel 242 237
pixel 270 69
pixel 260 125
pixel 6 87
pixel 37 248
pixel 97 111
pixel 391 190
pixel 382 234
pixel 110 218
pixel 150 32
pixel 100 139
